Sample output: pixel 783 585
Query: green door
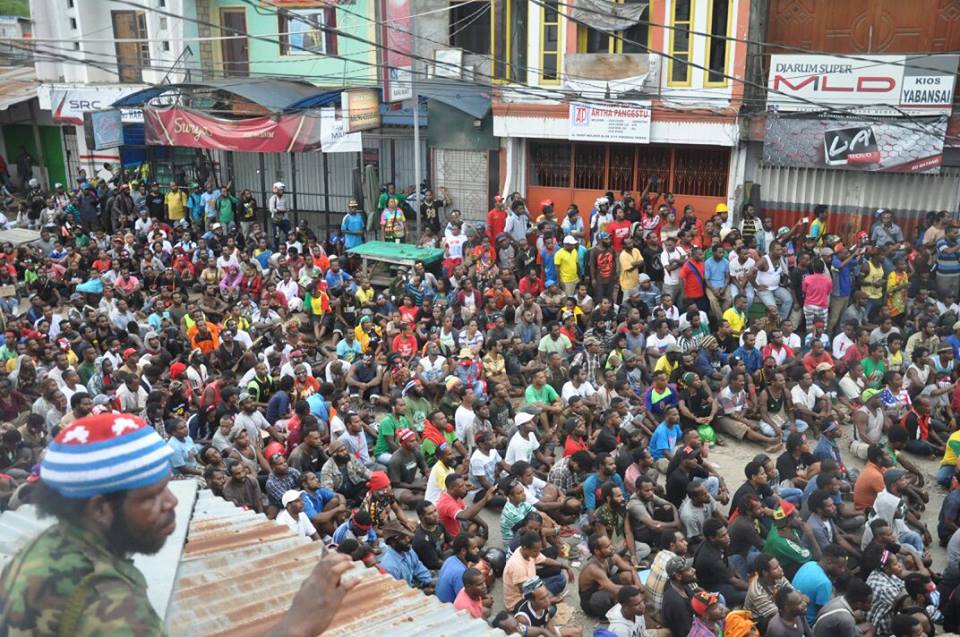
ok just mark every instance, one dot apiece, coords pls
pixel 51 137
pixel 17 135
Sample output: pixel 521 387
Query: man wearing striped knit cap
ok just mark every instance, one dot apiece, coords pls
pixel 104 478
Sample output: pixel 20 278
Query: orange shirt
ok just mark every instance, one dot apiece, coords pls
pixel 868 486
pixel 206 345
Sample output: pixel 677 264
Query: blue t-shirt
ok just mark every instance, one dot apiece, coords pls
pixel 590 486
pixel 278 406
pixel 353 223
pixel 812 581
pixel 664 440
pixel 313 503
pixel 348 352
pixel 319 407
pixel 450 579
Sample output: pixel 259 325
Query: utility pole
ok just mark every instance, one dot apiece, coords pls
pixel 416 120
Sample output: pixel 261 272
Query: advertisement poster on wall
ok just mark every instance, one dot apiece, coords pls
pixel 398 39
pixel 600 123
pixel 912 145
pixel 889 85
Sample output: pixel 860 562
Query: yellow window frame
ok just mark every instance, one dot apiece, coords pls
pixel 543 38
pixel 493 43
pixel 615 40
pixel 726 46
pixel 674 25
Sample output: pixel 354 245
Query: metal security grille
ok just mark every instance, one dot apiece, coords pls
pixel 464 174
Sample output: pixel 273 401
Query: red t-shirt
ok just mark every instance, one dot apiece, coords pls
pixel 693 285
pixel 816 290
pixel 534 287
pixel 619 230
pixel 406 347
pixel 571 446
pixel 447 510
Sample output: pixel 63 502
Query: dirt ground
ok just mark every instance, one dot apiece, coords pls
pixel 732 458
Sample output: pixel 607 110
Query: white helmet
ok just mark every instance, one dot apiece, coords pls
pixel 279 186
pixel 33 183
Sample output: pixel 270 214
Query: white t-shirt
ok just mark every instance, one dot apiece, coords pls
pixel 484 465
pixel 463 418
pixel 738 269
pixel 807 398
pixel 841 343
pixel 455 245
pixel 585 390
pixel 672 278
pixel 661 343
pixel 302 526
pixel 521 448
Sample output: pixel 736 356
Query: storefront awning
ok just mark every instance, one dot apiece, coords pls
pixel 274 95
pixel 17 84
pixel 471 99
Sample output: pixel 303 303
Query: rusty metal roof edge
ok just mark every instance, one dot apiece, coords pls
pixel 402 611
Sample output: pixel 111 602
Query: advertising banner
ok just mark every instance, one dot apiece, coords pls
pixel 851 143
pixel 103 129
pixel 334 137
pixel 890 85
pixel 69 104
pixel 624 124
pixel 361 108
pixel 398 40
pixel 183 127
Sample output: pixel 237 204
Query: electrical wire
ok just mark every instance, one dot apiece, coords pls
pixel 540 93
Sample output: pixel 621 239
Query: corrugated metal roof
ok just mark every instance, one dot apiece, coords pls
pixel 160 569
pixel 17 84
pixel 855 192
pixel 240 571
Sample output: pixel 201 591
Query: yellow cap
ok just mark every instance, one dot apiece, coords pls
pixel 721 207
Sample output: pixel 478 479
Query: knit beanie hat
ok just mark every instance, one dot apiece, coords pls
pixel 105 453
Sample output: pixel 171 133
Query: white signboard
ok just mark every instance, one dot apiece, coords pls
pixel 334 137
pixel 893 85
pixel 68 104
pixel 600 123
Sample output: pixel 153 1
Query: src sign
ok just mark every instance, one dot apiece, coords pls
pixel 69 104
pixel 894 85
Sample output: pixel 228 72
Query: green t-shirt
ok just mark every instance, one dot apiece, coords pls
pixel 388 428
pixel 429 448
pixel 226 207
pixel 545 395
pixel 384 197
pixel 786 550
pixel 874 371
pixel 550 346
pixel 418 409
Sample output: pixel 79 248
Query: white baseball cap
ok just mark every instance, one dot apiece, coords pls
pixel 523 418
pixel 290 496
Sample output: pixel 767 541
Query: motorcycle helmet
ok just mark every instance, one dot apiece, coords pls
pixel 497 560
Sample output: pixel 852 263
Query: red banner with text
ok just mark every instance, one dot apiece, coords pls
pixel 271 134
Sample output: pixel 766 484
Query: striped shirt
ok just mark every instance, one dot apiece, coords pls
pixel 948 263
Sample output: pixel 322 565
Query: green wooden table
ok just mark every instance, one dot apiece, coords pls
pixel 388 252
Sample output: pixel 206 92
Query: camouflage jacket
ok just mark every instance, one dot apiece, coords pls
pixel 67 582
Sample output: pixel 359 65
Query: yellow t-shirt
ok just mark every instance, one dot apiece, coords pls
pixel 176 204
pixel 568 265
pixel 629 279
pixel 365 296
pixel 736 321
pixel 663 365
pixel 950 450
pixel 873 281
